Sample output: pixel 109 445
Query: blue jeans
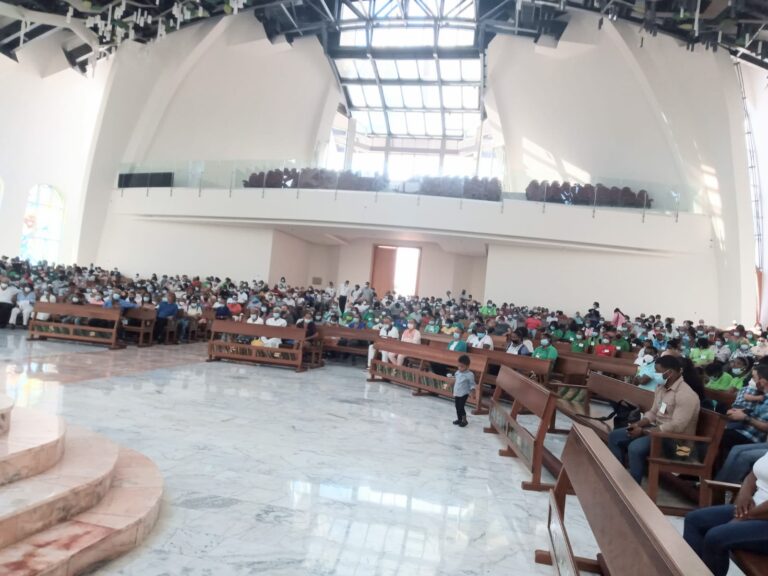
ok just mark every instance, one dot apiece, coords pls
pixel 740 461
pixel 637 450
pixel 712 534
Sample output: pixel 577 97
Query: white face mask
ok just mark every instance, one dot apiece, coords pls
pixel 3 285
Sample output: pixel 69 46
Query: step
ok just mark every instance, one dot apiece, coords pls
pixel 34 443
pixel 6 406
pixel 120 522
pixel 76 483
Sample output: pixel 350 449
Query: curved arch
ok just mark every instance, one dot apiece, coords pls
pixel 43 220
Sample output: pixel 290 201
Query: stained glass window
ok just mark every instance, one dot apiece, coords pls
pixel 41 233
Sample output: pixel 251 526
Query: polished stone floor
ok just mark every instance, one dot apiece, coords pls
pixel 277 473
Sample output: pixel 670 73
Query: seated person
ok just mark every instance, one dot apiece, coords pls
pixel 255 317
pixel 739 463
pixel 545 350
pixel 431 327
pixel 518 344
pixel 605 348
pixel 581 343
pixel 25 302
pixel 411 335
pixel 308 323
pixel 718 378
pixel 702 353
pixel 278 321
pixel 620 341
pixel 740 370
pixel 744 350
pixel 675 409
pixel 647 377
pixel 479 338
pixel 722 352
pixel 748 415
pixel 166 311
pixel 457 343
pixel 714 532
pixel 555 333
pixel 221 310
pixel 386 330
pixel 760 349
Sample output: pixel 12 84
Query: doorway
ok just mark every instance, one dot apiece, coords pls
pixel 396 268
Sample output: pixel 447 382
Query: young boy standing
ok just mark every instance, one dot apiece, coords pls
pixel 463 385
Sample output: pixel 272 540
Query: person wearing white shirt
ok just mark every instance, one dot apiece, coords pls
pixel 275 320
pixel 343 293
pixel 25 301
pixel 47 297
pixel 386 330
pixel 480 339
pixel 255 318
pixel 7 302
pixel 330 292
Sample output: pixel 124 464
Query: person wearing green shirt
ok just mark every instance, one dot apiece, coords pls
pixel 457 344
pixel 581 344
pixel 431 327
pixel 621 343
pixel 718 378
pixel 751 337
pixel 555 333
pixel 740 372
pixel 545 351
pixel 488 310
pixel 702 353
pixel 570 336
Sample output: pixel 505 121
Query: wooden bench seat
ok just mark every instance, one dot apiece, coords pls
pixel 632 534
pixel 438 340
pixel 143 326
pixel 532 397
pixel 338 338
pixel 78 323
pixel 232 341
pixel 417 374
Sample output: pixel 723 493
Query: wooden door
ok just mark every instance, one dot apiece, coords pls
pixel 383 276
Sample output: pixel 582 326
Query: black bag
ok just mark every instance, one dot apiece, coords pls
pixel 623 414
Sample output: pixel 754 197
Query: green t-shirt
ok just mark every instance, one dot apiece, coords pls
pixel 488 310
pixel 722 382
pixel 570 336
pixel 432 329
pixel 457 346
pixel 548 353
pixel 738 381
pixel 701 356
pixel 557 334
pixel 580 346
pixel 621 344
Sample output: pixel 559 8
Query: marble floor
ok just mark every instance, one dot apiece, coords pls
pixel 276 473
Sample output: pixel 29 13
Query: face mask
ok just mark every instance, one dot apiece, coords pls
pixel 75 300
pixel 481 334
pixel 737 371
pixel 165 299
pixel 579 337
pixel 115 296
pixel 737 334
pixel 544 342
pixel 411 326
pixel 3 285
pixel 276 314
pixel 744 347
pixel 146 298
pixel 308 320
pixel 749 334
pixel 456 335
pixel 26 290
pixel 605 341
pixel 718 344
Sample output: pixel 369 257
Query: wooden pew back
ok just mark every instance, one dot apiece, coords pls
pixel 633 536
pixel 227 343
pixel 331 335
pixel 145 316
pixel 83 332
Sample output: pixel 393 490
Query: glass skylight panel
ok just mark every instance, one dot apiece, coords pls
pixel 452 97
pixel 402 37
pixel 450 36
pixel 431 96
pixel 387 9
pixel 378 123
pixel 434 123
pixel 356 96
pixel 470 70
pixel 346 68
pixel 365 69
pixel 412 97
pixel 450 70
pixel 347 13
pixel 408 69
pixel 355 37
pixel 397 123
pixel 393 98
pixel 363 122
pixel 372 96
pixel 416 11
pixel 415 123
pixel 454 125
pixel 471 122
pixel 470 97
pixel 427 70
pixel 433 6
pixel 387 69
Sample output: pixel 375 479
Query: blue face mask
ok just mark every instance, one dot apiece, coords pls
pixel 544 342
pixel 456 335
pixel 481 334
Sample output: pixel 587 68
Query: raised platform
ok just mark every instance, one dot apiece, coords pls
pixel 69 498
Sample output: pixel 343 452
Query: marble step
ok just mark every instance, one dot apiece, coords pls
pixel 76 483
pixel 6 405
pixel 120 522
pixel 34 443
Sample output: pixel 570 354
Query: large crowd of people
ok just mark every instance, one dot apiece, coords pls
pixel 678 361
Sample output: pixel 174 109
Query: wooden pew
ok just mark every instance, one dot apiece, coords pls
pixel 633 536
pixel 419 375
pixel 224 344
pixel 442 340
pixel 331 335
pixel 520 443
pixel 145 316
pixel 573 366
pixel 53 327
pixel 602 387
pixel 721 397
pixel 750 563
pixel 706 443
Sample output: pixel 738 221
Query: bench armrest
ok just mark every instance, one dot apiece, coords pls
pixel 722 486
pixel 677 436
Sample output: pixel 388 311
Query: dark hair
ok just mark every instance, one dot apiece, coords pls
pixel 686 367
pixel 715 368
pixel 762 371
pixel 464 359
pixel 702 342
